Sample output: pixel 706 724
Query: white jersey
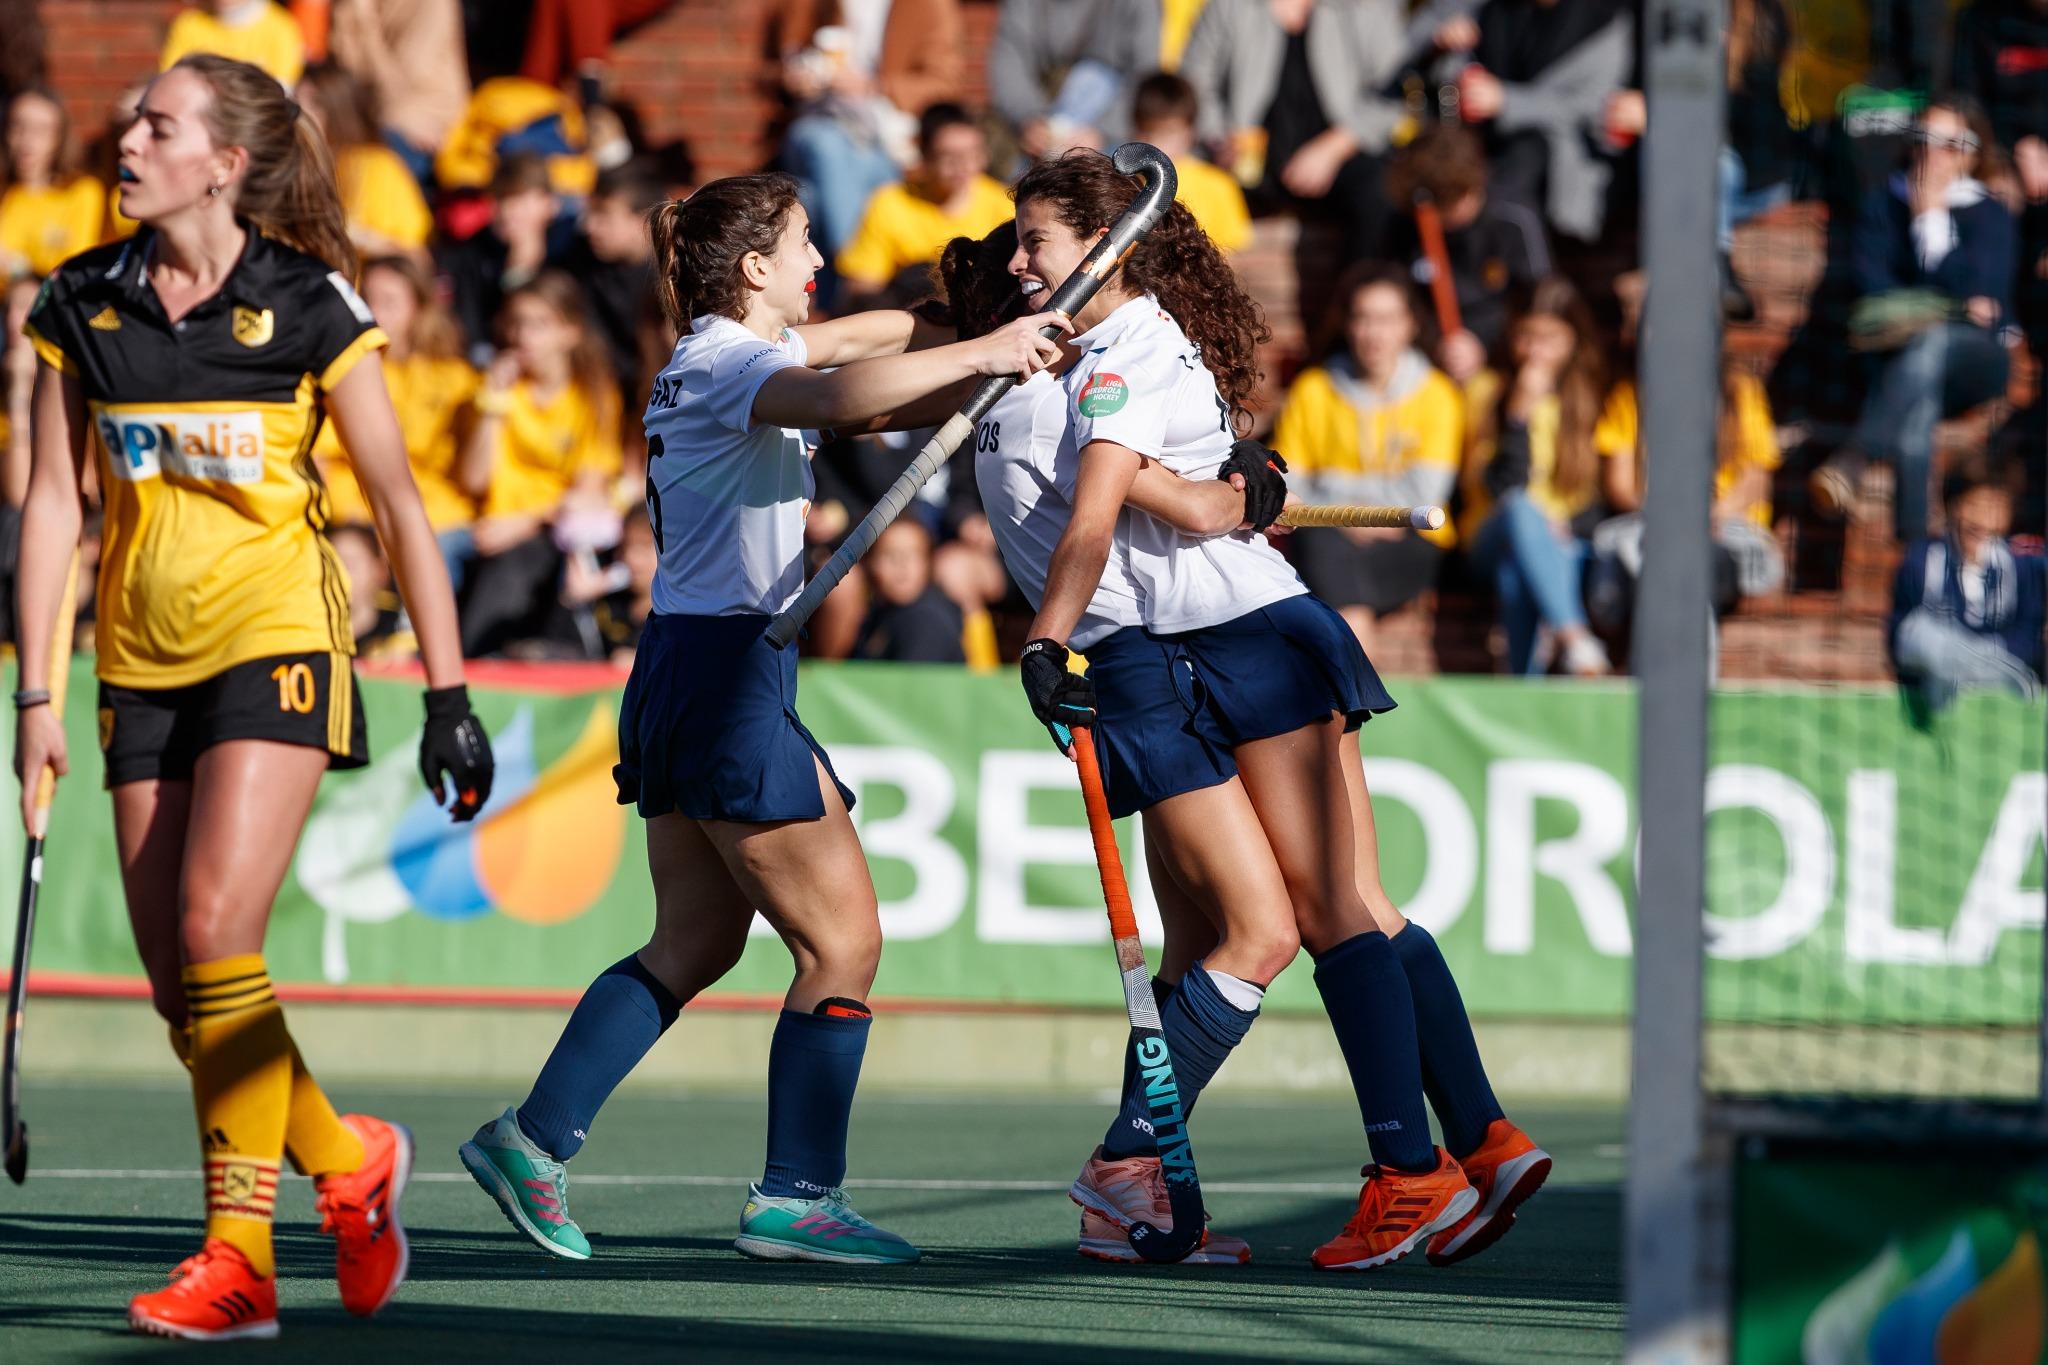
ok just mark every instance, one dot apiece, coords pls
pixel 727 495
pixel 1141 383
pixel 1027 492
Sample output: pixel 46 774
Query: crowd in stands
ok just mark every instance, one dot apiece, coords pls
pixel 1470 338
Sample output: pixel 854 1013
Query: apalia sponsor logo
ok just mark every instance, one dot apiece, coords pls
pixel 224 447
pixel 1162 1094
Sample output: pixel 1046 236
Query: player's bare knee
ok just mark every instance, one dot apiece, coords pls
pixel 215 923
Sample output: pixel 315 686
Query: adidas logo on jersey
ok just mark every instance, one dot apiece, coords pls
pixel 106 320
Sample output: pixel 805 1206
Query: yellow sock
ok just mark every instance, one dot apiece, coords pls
pixel 241 1088
pixel 315 1138
pixel 318 1142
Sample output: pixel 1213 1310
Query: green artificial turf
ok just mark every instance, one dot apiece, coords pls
pixel 978 1182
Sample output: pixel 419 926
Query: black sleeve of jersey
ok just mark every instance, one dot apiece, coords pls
pixel 337 330
pixel 53 323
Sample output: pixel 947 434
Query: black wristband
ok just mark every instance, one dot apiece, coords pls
pixel 31 696
pixel 448 703
pixel 1047 646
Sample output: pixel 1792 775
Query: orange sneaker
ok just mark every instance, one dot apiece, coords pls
pixel 360 1208
pixel 1396 1213
pixel 214 1295
pixel 1506 1170
pixel 1103 1240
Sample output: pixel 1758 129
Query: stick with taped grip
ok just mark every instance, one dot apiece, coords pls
pixel 1133 158
pixel 11 1121
pixel 1413 518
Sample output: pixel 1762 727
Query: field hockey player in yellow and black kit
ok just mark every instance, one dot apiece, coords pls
pixel 207 351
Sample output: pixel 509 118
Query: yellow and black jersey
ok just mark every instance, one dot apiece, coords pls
pixel 213 552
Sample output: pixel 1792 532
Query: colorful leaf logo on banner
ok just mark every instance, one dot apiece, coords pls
pixel 544 850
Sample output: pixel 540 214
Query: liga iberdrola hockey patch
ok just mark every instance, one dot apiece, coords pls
pixel 1103 394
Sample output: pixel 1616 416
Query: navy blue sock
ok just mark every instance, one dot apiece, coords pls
pixel 622 1014
pixel 1201 1028
pixel 1133 1090
pixel 1452 1075
pixel 1373 1012
pixel 813 1066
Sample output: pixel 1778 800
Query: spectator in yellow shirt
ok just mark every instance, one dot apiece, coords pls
pixel 1748 561
pixel 253 31
pixel 48 211
pixel 432 388
pixel 951 195
pixel 387 214
pixel 541 458
pixel 1163 113
pixel 1374 422
pixel 1539 484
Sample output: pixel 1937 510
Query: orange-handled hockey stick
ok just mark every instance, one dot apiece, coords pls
pixel 1169 1130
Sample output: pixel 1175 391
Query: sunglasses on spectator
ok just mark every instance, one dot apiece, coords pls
pixel 1957 142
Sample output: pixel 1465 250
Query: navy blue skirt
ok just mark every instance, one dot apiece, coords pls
pixel 1276 669
pixel 1154 737
pixel 708 726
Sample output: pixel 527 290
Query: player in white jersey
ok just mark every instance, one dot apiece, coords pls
pixel 1165 371
pixel 742 808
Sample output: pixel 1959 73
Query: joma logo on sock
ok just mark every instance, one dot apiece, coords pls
pixel 1390 1126
pixel 1168 1126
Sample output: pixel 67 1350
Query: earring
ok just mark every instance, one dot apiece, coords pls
pixel 214 190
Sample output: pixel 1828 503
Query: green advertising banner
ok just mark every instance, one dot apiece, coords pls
pixel 1505 824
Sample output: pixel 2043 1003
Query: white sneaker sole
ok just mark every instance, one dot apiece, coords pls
pixel 500 1190
pixel 157 1327
pixel 769 1249
pixel 1513 1184
pixel 1462 1203
pixel 1118 1252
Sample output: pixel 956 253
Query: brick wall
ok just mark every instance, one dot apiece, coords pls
pixel 702 71
pixel 99 48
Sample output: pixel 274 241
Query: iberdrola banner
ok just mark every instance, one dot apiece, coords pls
pixel 1856 865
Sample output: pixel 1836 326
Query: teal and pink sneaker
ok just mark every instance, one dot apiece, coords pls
pixel 823 1229
pixel 529 1185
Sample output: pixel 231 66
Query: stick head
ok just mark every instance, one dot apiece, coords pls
pixel 17 1153
pixel 1427 518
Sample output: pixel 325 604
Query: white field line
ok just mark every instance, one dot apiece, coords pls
pixel 741 1181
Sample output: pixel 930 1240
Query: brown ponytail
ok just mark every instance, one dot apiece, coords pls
pixel 288 190
pixel 699 243
pixel 1175 262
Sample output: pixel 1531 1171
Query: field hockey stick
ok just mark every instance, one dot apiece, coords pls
pixel 1133 158
pixel 1411 518
pixel 31 884
pixel 1148 1039
pixel 1443 289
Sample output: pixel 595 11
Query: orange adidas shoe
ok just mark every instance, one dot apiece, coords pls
pixel 214 1295
pixel 1506 1170
pixel 360 1208
pixel 1102 1240
pixel 1396 1213
pixel 1125 1191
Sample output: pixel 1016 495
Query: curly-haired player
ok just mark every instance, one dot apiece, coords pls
pixel 1238 720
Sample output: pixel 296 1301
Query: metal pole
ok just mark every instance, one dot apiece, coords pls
pixel 1673 1314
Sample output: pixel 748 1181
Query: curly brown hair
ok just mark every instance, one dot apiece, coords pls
pixel 977 293
pixel 1175 262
